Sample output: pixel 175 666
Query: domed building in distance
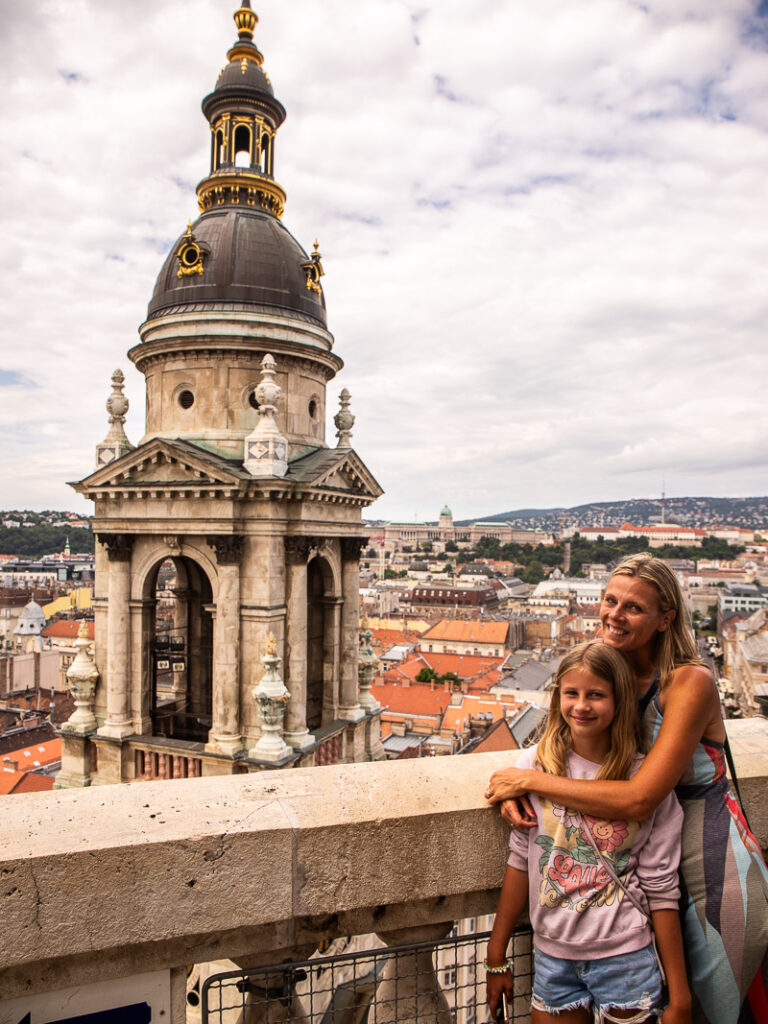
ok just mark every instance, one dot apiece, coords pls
pixel 228 539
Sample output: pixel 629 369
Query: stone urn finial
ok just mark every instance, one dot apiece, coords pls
pixel 271 698
pixel 115 443
pixel 344 420
pixel 367 664
pixel 82 676
pixel 266 450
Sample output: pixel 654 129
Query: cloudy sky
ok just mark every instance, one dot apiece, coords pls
pixel 543 227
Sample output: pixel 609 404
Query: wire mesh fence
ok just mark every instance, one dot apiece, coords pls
pixel 435 982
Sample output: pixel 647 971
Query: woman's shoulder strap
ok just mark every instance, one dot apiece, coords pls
pixel 650 693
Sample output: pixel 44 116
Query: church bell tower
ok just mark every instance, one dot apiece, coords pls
pixel 228 539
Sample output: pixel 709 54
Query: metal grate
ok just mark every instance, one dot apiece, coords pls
pixel 423 981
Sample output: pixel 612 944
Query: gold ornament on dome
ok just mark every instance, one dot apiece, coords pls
pixel 313 268
pixel 246 20
pixel 191 255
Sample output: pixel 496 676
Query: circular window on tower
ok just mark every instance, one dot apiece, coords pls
pixel 253 400
pixel 186 399
pixel 313 408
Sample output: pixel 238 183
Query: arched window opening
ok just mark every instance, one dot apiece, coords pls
pixel 219 155
pixel 181 651
pixel 242 146
pixel 317 624
pixel 266 150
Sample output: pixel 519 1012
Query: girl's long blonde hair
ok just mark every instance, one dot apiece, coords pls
pixel 674 646
pixel 556 741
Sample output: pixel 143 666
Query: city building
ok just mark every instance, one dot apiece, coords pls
pixel 470 636
pixel 741 598
pixel 27 767
pixel 228 539
pixel 396 535
pixel 12 602
pixel 745 659
pixel 29 628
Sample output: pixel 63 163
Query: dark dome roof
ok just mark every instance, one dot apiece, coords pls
pixel 252 259
pixel 244 81
pixel 248 74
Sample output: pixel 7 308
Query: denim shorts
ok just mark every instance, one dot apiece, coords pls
pixel 621 982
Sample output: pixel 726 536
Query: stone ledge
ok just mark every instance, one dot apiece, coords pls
pixel 106 882
pixel 165 872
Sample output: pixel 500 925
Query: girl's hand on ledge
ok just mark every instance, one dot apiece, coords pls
pixel 518 813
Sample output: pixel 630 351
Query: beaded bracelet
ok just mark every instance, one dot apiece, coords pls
pixel 498 970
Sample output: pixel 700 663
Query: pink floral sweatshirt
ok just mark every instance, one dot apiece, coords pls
pixel 577 911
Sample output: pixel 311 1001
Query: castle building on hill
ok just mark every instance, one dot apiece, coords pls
pixel 399 534
pixel 228 539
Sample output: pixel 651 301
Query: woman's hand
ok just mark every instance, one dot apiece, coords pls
pixel 508 784
pixel 509 787
pixel 495 984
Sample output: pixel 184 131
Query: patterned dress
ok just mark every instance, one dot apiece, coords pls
pixel 724 881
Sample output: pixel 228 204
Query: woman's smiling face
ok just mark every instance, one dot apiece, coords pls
pixel 630 615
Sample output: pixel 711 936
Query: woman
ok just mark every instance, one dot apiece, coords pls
pixel 724 879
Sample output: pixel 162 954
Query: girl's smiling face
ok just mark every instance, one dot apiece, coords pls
pixel 588 705
pixel 630 616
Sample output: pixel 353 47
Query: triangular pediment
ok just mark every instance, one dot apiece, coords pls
pixel 341 471
pixel 162 464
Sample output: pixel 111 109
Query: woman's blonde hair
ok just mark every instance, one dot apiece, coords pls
pixel 556 739
pixel 675 645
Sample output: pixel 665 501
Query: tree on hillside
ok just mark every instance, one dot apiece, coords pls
pixel 36 541
pixel 487 547
pixel 533 572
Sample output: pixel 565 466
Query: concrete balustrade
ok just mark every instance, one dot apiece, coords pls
pixel 117 880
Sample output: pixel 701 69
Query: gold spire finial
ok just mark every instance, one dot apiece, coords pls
pixel 246 20
pixel 271 644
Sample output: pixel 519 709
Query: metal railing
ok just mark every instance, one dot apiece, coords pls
pixel 435 982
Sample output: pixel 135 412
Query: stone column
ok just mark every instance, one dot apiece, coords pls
pixel 350 584
pixel 296 555
pixel 224 737
pixel 271 698
pixel 366 669
pixel 410 991
pixel 82 677
pixel 119 721
pixel 332 658
pixel 181 597
pixel 141 663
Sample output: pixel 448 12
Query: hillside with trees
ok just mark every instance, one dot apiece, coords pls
pixel 536 562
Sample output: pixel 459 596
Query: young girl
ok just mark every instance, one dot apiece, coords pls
pixel 592 885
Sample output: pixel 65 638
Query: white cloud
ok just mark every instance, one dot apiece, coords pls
pixel 542 227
